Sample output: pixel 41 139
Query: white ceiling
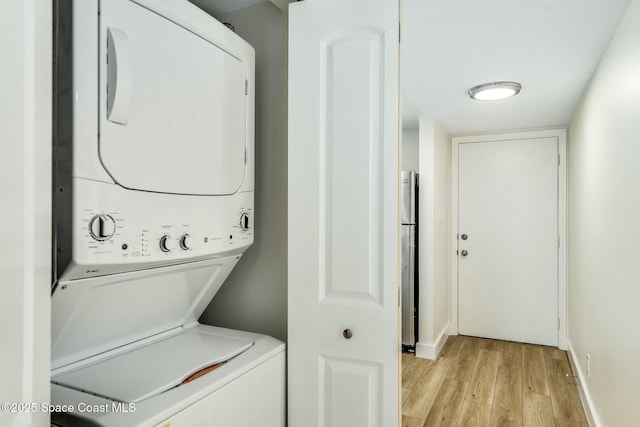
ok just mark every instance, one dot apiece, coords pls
pixel 551 47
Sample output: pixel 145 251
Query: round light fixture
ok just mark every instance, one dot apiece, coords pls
pixel 494 90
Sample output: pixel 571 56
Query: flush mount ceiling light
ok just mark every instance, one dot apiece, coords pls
pixel 494 90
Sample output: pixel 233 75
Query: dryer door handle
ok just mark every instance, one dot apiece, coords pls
pixel 119 76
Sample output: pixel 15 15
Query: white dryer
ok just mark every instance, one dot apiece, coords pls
pixel 153 208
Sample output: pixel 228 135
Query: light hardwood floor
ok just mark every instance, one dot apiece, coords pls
pixel 479 382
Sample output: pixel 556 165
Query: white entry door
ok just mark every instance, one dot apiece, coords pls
pixel 508 239
pixel 343 277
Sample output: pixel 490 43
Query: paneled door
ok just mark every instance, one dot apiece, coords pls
pixel 508 239
pixel 343 305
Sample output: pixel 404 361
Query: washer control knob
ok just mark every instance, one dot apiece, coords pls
pixel 166 243
pixel 186 242
pixel 244 221
pixel 102 227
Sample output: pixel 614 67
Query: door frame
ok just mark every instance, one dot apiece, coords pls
pixel 25 297
pixel 561 135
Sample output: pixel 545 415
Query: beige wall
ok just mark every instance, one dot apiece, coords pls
pixel 434 253
pixel 254 297
pixel 604 229
pixel 410 150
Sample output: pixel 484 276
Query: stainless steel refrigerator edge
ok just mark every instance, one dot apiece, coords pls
pixel 409 221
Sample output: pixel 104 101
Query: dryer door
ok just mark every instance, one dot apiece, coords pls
pixel 173 115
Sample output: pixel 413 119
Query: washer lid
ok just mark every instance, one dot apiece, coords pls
pixel 148 371
pixel 173 105
pixel 99 314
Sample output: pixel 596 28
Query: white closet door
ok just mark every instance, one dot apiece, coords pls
pixel 343 338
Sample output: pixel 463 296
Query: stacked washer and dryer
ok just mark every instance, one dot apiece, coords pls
pixel 154 191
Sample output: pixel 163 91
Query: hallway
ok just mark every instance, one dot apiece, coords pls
pixel 480 382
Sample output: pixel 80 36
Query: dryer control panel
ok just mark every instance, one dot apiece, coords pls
pixel 114 231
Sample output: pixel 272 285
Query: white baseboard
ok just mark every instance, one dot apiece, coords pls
pixel 585 396
pixel 431 351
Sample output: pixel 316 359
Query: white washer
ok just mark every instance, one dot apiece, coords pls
pixel 153 205
pixel 131 370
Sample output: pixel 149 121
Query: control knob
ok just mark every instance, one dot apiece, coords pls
pixel 186 242
pixel 102 227
pixel 166 243
pixel 244 221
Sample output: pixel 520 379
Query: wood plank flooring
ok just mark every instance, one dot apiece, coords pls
pixel 478 382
